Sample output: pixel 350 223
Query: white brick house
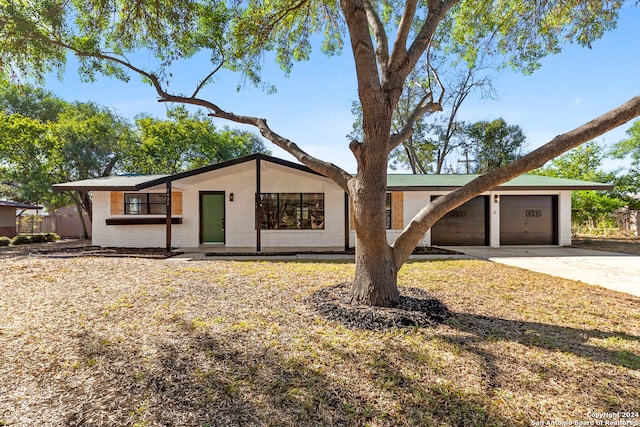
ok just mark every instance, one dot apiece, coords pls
pixel 260 202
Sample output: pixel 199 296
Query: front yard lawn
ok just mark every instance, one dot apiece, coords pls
pixel 143 342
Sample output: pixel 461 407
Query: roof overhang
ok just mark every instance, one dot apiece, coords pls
pixel 18 205
pixel 142 182
pixel 396 182
pixel 592 186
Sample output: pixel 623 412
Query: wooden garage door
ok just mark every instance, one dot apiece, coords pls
pixel 528 220
pixel 465 226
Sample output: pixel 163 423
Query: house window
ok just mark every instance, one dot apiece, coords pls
pixel 145 203
pixel 388 211
pixel 292 211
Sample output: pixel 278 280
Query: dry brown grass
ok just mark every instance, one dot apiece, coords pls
pixel 140 342
pixel 622 244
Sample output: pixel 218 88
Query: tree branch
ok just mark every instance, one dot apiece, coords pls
pixel 426 105
pixel 330 170
pixel 437 11
pixel 369 85
pixel 400 45
pixel 382 43
pixel 204 81
pixel 435 210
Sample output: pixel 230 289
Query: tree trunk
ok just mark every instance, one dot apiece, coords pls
pixel 85 232
pixel 375 282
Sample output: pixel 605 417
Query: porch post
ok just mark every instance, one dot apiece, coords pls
pixel 168 218
pixel 257 210
pixel 346 222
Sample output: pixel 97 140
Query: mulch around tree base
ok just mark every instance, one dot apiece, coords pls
pixel 416 308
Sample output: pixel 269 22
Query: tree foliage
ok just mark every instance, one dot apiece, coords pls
pixel 45 140
pixel 388 41
pixel 185 141
pixel 628 184
pixel 493 144
pixel 589 208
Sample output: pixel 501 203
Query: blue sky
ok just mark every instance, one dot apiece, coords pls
pixel 313 106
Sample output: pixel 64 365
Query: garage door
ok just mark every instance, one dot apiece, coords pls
pixel 528 220
pixel 467 225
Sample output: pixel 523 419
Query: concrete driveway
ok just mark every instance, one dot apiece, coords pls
pixel 620 272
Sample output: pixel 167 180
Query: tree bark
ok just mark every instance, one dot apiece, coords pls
pixel 375 282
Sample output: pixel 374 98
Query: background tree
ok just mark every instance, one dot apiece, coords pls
pixel 85 141
pixel 434 137
pixel 90 142
pixel 387 42
pixel 186 141
pixel 590 209
pixel 628 184
pixel 45 140
pixel 30 101
pixel 492 145
pixel 25 147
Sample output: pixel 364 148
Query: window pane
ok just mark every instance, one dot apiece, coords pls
pixel 268 211
pixel 158 198
pixel 313 211
pixel 135 204
pixel 145 203
pixel 158 208
pixel 289 211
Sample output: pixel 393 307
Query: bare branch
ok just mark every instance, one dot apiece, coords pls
pixel 435 210
pixel 206 79
pixel 369 85
pixel 425 106
pixel 382 43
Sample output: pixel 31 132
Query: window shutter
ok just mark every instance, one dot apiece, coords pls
pixel 397 210
pixel 176 203
pixel 117 203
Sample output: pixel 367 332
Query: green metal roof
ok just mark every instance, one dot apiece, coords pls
pixel 411 182
pixel 398 182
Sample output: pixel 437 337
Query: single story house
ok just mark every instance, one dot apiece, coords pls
pixel 258 202
pixel 8 216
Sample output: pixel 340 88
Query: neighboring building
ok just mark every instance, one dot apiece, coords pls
pixel 8 216
pixel 260 202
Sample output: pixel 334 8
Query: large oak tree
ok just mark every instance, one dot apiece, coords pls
pixel 388 39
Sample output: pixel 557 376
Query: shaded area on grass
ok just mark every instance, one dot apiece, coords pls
pixel 84 341
pixel 550 337
pixel 206 380
pixel 418 308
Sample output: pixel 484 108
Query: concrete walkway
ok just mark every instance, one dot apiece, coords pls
pixel 617 271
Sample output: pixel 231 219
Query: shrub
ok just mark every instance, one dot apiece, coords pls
pixel 5 241
pixel 21 240
pixel 37 238
pixel 51 237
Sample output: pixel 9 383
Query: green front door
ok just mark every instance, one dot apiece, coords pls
pixel 212 217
